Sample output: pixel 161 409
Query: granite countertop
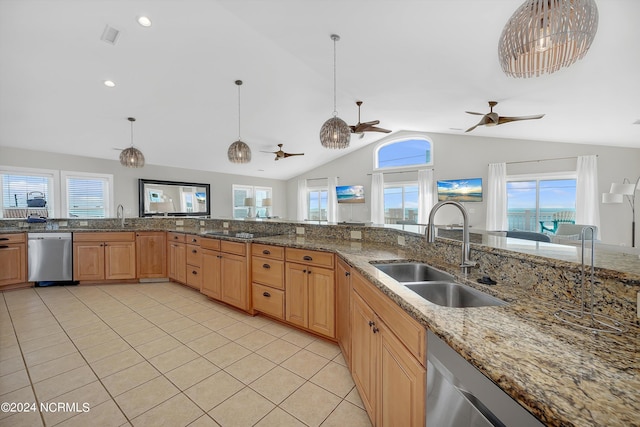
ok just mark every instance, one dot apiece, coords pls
pixel 563 375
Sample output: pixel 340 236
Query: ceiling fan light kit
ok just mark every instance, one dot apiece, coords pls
pixel 335 133
pixel 239 152
pixel 543 36
pixel 131 157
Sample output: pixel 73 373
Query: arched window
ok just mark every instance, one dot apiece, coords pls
pixel 405 152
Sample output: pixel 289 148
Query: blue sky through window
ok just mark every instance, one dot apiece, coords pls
pixel 407 152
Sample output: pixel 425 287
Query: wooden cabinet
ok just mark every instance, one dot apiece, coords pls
pixel 194 262
pixel 387 364
pixel 151 254
pixel 343 309
pixel 310 290
pixel 177 256
pixel 225 272
pixel 267 279
pixel 13 259
pixel 104 256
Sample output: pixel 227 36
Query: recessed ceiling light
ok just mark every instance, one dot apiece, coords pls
pixel 109 83
pixel 144 21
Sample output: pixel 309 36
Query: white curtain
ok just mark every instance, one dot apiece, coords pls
pixel 425 195
pixel 303 208
pixel 332 199
pixel 377 198
pixel 497 197
pixel 587 200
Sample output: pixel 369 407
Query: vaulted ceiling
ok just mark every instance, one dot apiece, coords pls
pixel 417 65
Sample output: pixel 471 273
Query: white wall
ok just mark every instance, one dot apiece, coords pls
pixel 126 179
pixel 468 156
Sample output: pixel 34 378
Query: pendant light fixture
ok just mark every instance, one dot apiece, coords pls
pixel 543 36
pixel 131 157
pixel 335 133
pixel 239 152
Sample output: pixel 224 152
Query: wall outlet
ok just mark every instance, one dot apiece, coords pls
pixel 63 223
pixel 299 230
pixel 84 223
pixel 201 223
pixel 401 241
pixel 225 225
pixel 179 222
pixel 356 234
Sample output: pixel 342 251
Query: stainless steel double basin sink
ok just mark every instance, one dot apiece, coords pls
pixel 436 286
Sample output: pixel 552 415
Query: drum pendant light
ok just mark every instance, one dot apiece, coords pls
pixel 239 152
pixel 131 157
pixel 335 133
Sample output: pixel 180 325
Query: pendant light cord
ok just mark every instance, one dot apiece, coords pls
pixel 132 133
pixel 239 83
pixel 335 110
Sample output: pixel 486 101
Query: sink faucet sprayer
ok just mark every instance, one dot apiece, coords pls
pixel 120 215
pixel 431 232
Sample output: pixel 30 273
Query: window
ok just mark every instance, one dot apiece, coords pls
pixel 86 195
pixel 27 192
pixel 416 151
pixel 531 201
pixel 401 203
pixel 317 202
pixel 249 202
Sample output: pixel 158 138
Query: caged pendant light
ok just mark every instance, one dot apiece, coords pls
pixel 131 157
pixel 543 36
pixel 335 133
pixel 239 152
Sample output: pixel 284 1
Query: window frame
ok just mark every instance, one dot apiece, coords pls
pixel 252 190
pixel 402 184
pixel 317 189
pixel 397 140
pixel 53 176
pixel 64 193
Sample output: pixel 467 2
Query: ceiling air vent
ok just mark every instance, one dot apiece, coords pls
pixel 110 35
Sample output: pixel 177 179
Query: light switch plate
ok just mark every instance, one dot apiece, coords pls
pixel 63 223
pixel 179 222
pixel 202 223
pixel 401 240
pixel 225 225
pixel 356 234
pixel 83 223
pixel 299 230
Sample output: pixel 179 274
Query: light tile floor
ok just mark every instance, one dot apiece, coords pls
pixel 162 354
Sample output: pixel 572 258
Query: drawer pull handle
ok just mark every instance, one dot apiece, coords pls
pixel 307 258
pixel 4 246
pixel 194 240
pixel 4 238
pixel 193 251
pixel 266 252
pixel 266 266
pixel 175 237
pixel 266 294
pixel 194 272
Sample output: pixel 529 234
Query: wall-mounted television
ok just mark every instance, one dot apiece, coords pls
pixel 460 190
pixel 350 193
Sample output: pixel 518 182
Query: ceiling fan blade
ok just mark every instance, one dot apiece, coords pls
pixel 473 112
pixel 371 123
pixel 502 119
pixel 270 152
pixel 292 154
pixel 483 121
pixel 472 128
pixel 377 129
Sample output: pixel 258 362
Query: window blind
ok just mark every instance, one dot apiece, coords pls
pixel 86 197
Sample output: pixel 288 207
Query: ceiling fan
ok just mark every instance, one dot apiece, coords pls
pixel 361 128
pixel 281 154
pixel 493 119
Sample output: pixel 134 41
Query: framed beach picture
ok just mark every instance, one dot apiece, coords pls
pixel 350 193
pixel 460 190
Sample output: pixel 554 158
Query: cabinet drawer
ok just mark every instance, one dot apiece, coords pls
pixel 116 236
pixel 176 237
pixel 233 247
pixel 194 256
pixel 12 238
pixel 268 272
pixel 267 251
pixel 303 256
pixel 407 329
pixel 268 300
pixel 213 244
pixel 192 239
pixel 194 276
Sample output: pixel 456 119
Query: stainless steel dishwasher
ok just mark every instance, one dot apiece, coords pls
pixel 50 257
pixel 458 395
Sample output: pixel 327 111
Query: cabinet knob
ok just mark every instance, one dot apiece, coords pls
pixel 307 258
pixel 219 256
pixel 304 271
pixel 194 272
pixel 266 294
pixel 308 271
pixel 371 323
pixel 375 330
pixel 194 240
pixel 266 252
pixel 194 251
pixel 346 273
pixel 266 266
pixel 175 237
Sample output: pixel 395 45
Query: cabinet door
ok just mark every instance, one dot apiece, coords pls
pixel 88 261
pixel 296 294
pixel 120 260
pixel 363 352
pixel 322 301
pixel 178 262
pixel 13 265
pixel 401 383
pixel 211 274
pixel 235 286
pixel 343 291
pixel 151 254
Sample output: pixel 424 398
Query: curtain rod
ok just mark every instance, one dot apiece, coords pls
pixel 543 160
pixel 390 173
pixel 314 179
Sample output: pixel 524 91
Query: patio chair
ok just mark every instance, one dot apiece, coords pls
pixel 568 217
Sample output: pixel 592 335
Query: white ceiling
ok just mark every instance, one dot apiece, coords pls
pixel 417 65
